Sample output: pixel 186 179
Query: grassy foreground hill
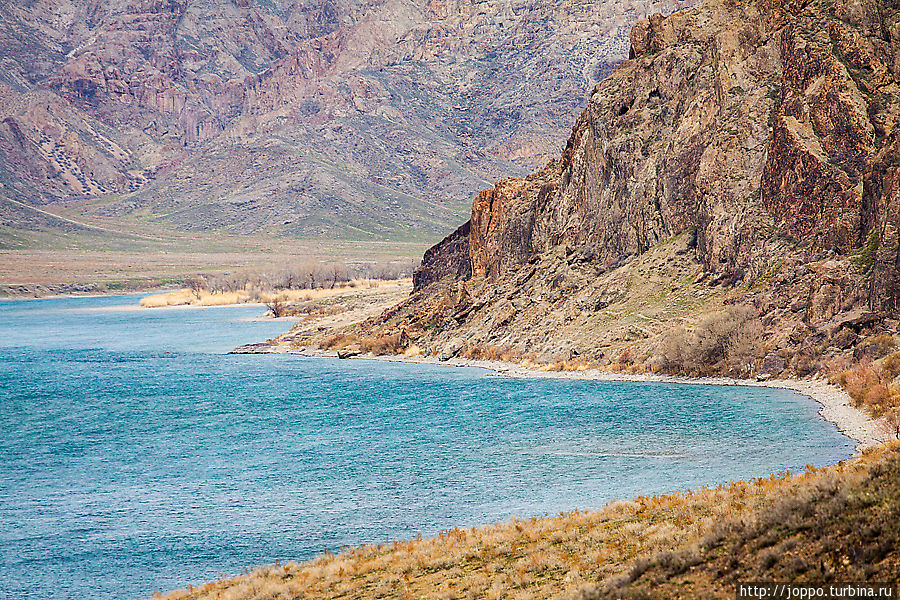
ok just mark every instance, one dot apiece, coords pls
pixel 839 523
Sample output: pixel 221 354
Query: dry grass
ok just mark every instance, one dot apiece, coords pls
pixel 838 524
pixel 190 298
pixel 379 345
pixel 187 297
pixel 549 557
pixel 874 385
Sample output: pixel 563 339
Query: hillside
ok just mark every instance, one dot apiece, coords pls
pixel 834 524
pixel 726 204
pixel 325 119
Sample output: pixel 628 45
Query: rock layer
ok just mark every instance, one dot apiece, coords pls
pixel 744 122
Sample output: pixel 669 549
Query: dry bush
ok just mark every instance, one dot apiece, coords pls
pixel 871 383
pixel 382 344
pixel 366 344
pixel 492 353
pixel 892 422
pixel 387 344
pixel 879 345
pixel 277 305
pixel 339 341
pixel 413 350
pixel 512 354
pixel 623 361
pixel 470 352
pixel 729 341
pixel 890 366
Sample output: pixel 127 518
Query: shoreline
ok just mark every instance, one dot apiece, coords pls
pixel 51 294
pixel 835 405
pixel 72 295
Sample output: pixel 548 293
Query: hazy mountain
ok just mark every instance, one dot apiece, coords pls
pixel 310 118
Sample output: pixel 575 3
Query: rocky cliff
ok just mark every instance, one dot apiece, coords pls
pixel 327 118
pixel 448 258
pixel 745 156
pixel 732 119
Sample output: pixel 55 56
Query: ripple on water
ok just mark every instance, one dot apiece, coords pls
pixel 136 456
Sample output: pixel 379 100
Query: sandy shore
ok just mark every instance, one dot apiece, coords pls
pixel 835 403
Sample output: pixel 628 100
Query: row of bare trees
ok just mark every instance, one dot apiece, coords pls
pixel 304 276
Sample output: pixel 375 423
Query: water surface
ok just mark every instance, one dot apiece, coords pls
pixel 136 456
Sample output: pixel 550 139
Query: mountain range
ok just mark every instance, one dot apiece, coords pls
pixel 305 118
pixel 727 203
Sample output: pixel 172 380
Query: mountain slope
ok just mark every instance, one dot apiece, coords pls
pixel 320 118
pixel 745 157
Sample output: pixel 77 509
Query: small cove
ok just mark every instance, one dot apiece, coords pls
pixel 137 456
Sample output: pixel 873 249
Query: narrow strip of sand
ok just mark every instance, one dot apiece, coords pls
pixel 836 405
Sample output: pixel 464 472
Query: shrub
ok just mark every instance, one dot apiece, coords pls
pixel 387 344
pixel 879 345
pixel 339 341
pixel 730 341
pixel 892 421
pixel 870 383
pixel 866 256
pixel 277 305
pixel 891 365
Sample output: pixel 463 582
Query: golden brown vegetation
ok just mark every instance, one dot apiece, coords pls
pixel 287 297
pixel 379 345
pixel 873 383
pixel 622 545
pixel 837 525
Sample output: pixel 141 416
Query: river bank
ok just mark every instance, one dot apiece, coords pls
pixel 836 405
pixel 16 293
pixel 234 461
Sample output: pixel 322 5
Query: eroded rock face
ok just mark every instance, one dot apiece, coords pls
pixel 448 258
pixel 746 123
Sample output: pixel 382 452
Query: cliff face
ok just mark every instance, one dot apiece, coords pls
pixel 448 258
pixel 736 119
pixel 746 154
pixel 312 118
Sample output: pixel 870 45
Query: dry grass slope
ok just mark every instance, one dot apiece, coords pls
pixel 821 525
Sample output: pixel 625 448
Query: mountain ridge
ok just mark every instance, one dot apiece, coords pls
pixel 356 111
pixel 725 205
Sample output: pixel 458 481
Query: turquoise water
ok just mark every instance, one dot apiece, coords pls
pixel 136 456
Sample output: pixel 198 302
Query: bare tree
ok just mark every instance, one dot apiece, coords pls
pixel 277 305
pixel 731 339
pixel 195 284
pixel 336 272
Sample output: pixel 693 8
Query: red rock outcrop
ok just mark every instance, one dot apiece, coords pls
pixel 748 123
